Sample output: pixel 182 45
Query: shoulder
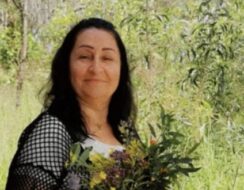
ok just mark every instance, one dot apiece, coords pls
pixel 49 126
pixel 45 143
pixel 45 127
pixel 44 120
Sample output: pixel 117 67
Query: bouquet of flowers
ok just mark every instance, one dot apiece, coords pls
pixel 155 164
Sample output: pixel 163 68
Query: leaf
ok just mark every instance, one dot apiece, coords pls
pixel 74 153
pixel 152 130
pixel 186 171
pixel 206 55
pixel 85 155
pixel 161 17
pixel 194 147
pixel 224 12
pixel 126 20
pixel 176 134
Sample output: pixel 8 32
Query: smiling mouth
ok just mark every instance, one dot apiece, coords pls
pixel 94 80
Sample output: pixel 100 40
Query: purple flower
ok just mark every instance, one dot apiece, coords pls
pixel 119 155
pixel 115 175
pixel 73 181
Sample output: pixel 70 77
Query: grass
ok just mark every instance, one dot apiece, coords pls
pixel 13 121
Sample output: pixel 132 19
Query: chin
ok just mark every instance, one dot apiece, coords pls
pixel 98 95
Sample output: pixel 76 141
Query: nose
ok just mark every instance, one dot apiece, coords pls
pixel 95 66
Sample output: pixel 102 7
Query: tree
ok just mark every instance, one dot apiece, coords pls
pixel 22 8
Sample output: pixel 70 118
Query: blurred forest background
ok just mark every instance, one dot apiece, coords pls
pixel 187 63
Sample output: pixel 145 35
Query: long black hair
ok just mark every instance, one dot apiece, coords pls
pixel 60 99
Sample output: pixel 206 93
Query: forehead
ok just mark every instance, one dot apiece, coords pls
pixel 96 37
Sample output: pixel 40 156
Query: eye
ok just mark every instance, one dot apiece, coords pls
pixel 84 57
pixel 107 59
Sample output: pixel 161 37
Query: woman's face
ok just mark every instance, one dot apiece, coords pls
pixel 95 64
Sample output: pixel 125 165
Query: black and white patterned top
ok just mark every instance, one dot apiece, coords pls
pixel 42 152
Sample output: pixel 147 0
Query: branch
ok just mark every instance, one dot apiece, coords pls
pixel 17 5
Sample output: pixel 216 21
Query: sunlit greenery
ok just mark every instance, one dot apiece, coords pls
pixel 185 56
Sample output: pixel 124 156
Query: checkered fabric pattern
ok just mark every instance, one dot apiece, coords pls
pixel 39 161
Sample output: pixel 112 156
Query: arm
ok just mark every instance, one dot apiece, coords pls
pixel 29 177
pixel 42 152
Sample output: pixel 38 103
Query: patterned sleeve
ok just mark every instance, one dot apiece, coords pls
pixel 42 151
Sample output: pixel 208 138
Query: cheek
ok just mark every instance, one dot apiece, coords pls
pixel 77 69
pixel 75 77
pixel 115 72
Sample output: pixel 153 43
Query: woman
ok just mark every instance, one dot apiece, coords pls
pixel 90 95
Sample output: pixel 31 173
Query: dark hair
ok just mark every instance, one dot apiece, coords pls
pixel 61 100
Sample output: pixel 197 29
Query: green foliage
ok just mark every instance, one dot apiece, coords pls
pixel 146 26
pixel 212 45
pixel 52 34
pixel 35 49
pixel 10 38
pixel 9 47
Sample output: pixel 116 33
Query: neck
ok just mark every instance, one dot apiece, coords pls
pixel 94 114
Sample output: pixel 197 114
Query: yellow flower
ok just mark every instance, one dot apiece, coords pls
pixel 135 149
pixel 97 178
pixel 102 175
pixel 93 182
pixel 112 188
pixel 100 162
pixel 96 157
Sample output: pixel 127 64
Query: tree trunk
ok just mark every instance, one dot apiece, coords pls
pixel 23 51
pixel 148 56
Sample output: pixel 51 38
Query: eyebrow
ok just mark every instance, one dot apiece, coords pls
pixel 108 49
pixel 90 47
pixel 86 46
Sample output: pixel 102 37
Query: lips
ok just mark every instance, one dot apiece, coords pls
pixel 94 80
